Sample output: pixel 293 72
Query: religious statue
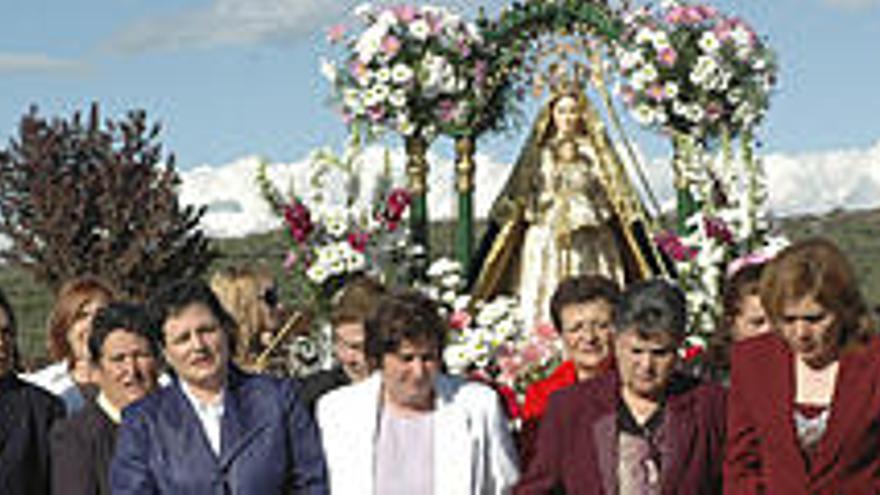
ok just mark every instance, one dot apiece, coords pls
pixel 566 209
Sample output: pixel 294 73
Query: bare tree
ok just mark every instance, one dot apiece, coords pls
pixel 90 198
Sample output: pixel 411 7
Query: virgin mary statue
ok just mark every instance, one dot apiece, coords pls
pixel 566 209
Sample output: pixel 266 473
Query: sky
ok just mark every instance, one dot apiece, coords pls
pixel 234 79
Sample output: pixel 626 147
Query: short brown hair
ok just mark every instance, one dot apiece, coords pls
pixel 816 268
pixel 582 289
pixel 403 315
pixel 73 296
pixel 357 301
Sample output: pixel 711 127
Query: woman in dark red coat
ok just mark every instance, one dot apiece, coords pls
pixel 804 405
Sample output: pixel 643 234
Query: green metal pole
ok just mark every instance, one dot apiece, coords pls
pixel 464 169
pixel 686 205
pixel 417 171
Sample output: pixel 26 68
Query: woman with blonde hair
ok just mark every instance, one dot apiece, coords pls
pixel 68 333
pixel 804 407
pixel 250 295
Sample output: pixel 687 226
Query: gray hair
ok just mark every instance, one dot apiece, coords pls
pixel 652 306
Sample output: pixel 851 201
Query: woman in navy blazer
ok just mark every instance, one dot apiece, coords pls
pixel 804 405
pixel 215 429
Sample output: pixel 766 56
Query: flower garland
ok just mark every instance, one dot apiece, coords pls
pixel 491 341
pixel 336 236
pixel 413 69
pixel 732 223
pixel 692 70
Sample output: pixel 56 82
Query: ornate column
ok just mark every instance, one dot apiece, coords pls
pixel 417 173
pixel 464 184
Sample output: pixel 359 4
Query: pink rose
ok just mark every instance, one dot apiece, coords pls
pixel 460 320
pixel 335 33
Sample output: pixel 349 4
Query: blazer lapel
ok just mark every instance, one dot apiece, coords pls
pixel 771 390
pixel 604 432
pixel 185 436
pixel 241 420
pixel 675 439
pixel 851 393
pixel 452 455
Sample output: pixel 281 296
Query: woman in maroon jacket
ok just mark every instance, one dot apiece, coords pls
pixel 804 405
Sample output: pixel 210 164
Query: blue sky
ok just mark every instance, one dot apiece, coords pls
pixel 229 78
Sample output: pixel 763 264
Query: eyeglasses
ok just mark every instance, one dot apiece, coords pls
pixel 270 297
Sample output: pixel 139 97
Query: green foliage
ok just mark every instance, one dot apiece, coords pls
pixel 857 233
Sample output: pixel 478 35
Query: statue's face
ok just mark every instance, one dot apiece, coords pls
pixel 565 116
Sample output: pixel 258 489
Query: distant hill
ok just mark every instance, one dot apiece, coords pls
pixel 857 232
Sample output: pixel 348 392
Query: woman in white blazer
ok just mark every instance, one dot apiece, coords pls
pixel 410 428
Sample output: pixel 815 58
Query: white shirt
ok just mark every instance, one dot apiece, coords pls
pixel 56 379
pixel 209 414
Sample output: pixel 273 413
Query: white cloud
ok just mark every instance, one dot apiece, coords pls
pixel 227 22
pixel 34 62
pixel 799 184
pixel 242 22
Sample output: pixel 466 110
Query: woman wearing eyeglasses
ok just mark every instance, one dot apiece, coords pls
pixel 250 295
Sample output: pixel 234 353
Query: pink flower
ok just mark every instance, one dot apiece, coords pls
pixel 546 331
pixel 358 69
pixel 672 245
pixel 358 241
pixel 398 201
pixel 667 56
pixel 460 320
pixel 404 13
pixel 391 45
pixel 290 260
pixel 533 352
pixel 692 352
pixel 628 94
pixel 299 221
pixel 480 69
pixel 675 15
pixel 335 33
pixel 375 114
pixel 716 228
pixel 656 92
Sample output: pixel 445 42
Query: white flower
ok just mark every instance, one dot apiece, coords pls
pixel 328 70
pixel 709 42
pixel 387 18
pixel 381 92
pixel 363 10
pixel 660 41
pixel 645 35
pixel 671 89
pixel 356 261
pixel 456 358
pixel 649 72
pixel 317 273
pixel 630 59
pixel 370 42
pixel 405 126
pixel 444 266
pixel 643 114
pixel 741 36
pixel 383 75
pixel 420 29
pixel 397 98
pixel 453 281
pixel 401 73
pixel 695 113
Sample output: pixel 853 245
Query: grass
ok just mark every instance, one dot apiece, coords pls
pixel 857 233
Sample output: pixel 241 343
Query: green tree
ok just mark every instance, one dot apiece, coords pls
pixel 97 198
